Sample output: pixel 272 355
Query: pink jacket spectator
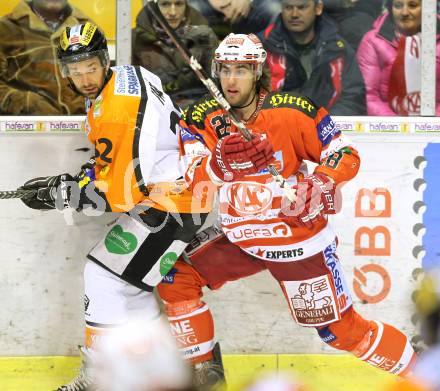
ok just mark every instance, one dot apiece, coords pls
pixel 376 54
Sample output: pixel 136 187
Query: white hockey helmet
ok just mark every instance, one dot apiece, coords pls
pixel 246 48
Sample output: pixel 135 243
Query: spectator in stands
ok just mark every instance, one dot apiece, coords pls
pixel 354 17
pixel 306 54
pixel 237 16
pixel 153 49
pixel 30 83
pixel 393 74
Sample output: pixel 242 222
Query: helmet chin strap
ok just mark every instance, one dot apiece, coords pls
pixel 244 106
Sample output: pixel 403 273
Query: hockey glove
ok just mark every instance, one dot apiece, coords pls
pixel 315 197
pixel 87 173
pixel 51 192
pixel 234 157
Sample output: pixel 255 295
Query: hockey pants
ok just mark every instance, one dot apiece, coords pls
pixel 314 288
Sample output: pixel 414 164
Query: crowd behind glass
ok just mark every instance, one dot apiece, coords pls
pixel 355 57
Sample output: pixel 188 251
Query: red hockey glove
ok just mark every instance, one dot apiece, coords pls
pixel 234 157
pixel 315 197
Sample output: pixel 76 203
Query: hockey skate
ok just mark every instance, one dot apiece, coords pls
pixel 210 375
pixel 83 381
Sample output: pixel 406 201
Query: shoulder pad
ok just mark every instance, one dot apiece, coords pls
pixel 196 113
pixel 291 100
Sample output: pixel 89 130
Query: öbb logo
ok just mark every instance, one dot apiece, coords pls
pixel 372 242
pixel 249 198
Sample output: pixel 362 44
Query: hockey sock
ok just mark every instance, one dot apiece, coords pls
pixel 387 348
pixel 95 333
pixel 193 329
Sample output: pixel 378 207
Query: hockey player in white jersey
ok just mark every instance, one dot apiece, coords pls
pixel 135 171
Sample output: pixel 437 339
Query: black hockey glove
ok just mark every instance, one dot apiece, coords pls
pixel 51 192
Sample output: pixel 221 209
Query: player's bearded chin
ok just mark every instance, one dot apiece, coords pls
pixel 90 91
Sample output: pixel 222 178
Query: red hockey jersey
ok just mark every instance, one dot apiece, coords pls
pixel 299 131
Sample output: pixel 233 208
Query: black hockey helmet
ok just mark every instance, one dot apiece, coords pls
pixel 79 43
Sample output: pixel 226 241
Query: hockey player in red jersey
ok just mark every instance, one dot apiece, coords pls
pixel 261 229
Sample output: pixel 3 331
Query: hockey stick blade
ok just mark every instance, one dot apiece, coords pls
pixel 5 195
pixel 213 90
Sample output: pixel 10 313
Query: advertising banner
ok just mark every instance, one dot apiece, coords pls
pixel 376 125
pixel 40 124
pixel 411 125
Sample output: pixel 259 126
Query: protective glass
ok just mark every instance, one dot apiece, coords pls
pixel 236 71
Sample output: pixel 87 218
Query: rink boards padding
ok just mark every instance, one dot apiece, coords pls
pixel 43 253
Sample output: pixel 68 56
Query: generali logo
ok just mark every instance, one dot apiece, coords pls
pixel 313 301
pixel 249 198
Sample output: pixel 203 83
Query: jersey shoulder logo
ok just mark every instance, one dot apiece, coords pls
pixel 197 112
pixel 291 100
pixel 327 130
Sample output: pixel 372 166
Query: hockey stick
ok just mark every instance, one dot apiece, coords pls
pixel 4 195
pixel 23 193
pixel 213 90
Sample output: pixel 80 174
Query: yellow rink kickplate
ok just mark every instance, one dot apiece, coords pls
pixel 36 373
pixel 319 372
